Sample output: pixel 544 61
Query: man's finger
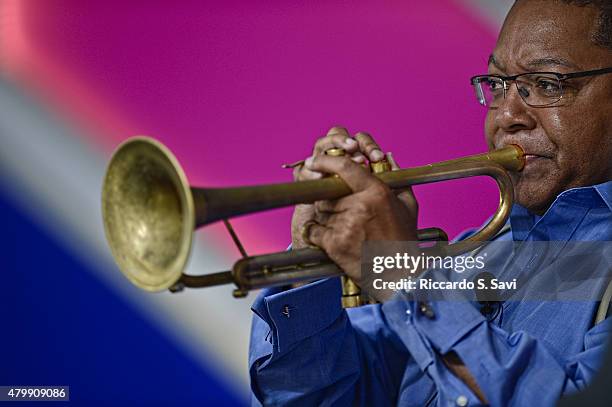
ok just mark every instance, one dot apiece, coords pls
pixel 328 207
pixel 355 176
pixel 337 137
pixel 391 161
pixel 405 194
pixel 338 130
pixel 318 235
pixel 369 147
pixel 301 173
pixel 358 157
pixel 408 199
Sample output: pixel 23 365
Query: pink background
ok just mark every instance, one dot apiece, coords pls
pixel 237 88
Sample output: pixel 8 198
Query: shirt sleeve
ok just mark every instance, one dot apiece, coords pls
pixel 306 350
pixel 510 368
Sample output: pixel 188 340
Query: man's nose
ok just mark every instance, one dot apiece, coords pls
pixel 513 114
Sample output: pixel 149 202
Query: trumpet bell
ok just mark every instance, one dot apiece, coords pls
pixel 148 213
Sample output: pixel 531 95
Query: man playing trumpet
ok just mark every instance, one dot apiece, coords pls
pixel 549 91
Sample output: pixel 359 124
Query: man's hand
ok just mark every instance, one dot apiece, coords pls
pixel 359 149
pixel 372 212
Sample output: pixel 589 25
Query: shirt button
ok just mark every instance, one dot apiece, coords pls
pixel 408 312
pixel 426 310
pixel 461 401
pixel 287 311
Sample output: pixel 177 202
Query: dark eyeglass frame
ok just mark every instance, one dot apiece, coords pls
pixel 560 77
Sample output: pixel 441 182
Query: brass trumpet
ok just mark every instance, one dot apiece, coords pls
pixel 150 213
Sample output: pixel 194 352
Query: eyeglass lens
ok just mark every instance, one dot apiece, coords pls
pixel 536 89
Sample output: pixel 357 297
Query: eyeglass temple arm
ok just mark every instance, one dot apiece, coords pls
pixel 585 73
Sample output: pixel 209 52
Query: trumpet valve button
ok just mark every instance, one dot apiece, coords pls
pixel 335 152
pixel 380 166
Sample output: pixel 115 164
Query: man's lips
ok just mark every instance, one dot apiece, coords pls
pixel 530 155
pixel 533 156
pixel 531 159
pixel 531 149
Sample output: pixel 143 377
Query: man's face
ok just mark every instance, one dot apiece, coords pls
pixel 568 144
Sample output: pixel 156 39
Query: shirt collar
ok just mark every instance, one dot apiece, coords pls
pixel 605 192
pixel 595 196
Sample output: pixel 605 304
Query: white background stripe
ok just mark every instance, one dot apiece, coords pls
pixel 55 176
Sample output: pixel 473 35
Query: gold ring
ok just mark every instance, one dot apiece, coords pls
pixel 305 231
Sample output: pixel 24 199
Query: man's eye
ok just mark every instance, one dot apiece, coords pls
pixel 548 85
pixel 493 85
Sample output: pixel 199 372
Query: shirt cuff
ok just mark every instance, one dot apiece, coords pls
pixel 430 328
pixel 444 323
pixel 299 313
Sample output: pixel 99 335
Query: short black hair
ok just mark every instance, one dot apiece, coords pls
pixel 603 34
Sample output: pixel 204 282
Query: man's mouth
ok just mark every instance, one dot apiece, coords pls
pixel 533 154
pixel 532 160
pixel 531 157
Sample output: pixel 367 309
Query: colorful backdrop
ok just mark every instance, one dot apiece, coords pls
pixel 235 89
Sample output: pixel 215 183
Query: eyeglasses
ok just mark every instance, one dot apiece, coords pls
pixel 535 88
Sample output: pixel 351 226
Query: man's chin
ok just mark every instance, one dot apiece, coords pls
pixel 535 194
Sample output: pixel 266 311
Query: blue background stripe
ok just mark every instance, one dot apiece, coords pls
pixel 62 326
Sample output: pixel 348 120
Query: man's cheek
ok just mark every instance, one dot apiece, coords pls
pixel 490 130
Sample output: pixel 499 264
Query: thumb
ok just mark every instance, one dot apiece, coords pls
pixel 405 194
pixel 391 160
pixel 408 199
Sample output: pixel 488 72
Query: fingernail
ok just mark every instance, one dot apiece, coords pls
pixel 391 160
pixel 359 159
pixel 308 162
pixel 377 155
pixel 350 142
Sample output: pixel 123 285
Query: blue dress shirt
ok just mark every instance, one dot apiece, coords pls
pixel 306 350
